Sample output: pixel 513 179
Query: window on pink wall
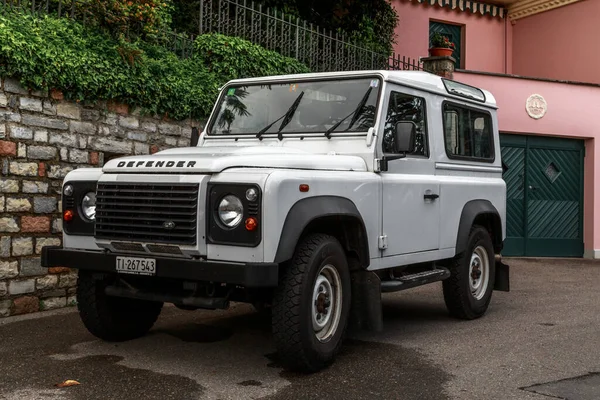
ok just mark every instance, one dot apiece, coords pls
pixel 454 33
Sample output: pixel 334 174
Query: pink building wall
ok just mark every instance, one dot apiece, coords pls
pixel 487 46
pixel 559 44
pixel 571 113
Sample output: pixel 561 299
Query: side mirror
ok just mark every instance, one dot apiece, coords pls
pixel 404 143
pixel 404 135
pixel 195 137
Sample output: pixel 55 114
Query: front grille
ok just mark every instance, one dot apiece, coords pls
pixel 139 211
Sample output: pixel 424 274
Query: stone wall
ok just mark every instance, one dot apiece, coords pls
pixel 42 138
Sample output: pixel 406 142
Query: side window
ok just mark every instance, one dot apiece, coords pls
pixel 468 133
pixel 404 107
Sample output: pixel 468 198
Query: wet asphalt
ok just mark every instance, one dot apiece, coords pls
pixel 540 341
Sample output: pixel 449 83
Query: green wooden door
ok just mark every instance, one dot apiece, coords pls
pixel 513 157
pixel 544 202
pixel 453 33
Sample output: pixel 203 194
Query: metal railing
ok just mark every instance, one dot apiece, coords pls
pixel 317 48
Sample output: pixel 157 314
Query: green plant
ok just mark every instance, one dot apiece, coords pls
pixel 438 40
pixel 88 65
pixel 232 57
pixel 145 18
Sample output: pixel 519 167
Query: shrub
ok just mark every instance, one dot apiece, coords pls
pixel 135 18
pixel 232 57
pixel 86 65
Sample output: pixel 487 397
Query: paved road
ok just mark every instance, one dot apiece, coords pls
pixel 540 340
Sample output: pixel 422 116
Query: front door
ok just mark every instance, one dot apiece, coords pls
pixel 544 203
pixel 410 214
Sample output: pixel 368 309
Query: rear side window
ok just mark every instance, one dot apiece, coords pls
pixel 468 133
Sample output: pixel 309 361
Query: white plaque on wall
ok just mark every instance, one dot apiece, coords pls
pixel 536 106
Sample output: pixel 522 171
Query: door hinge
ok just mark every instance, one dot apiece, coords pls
pixel 383 242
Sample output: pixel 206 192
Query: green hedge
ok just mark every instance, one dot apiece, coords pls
pixel 87 66
pixel 232 57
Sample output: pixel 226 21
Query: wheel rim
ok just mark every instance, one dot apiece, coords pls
pixel 326 303
pixel 479 272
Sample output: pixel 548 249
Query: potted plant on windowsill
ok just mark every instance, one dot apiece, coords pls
pixel 441 46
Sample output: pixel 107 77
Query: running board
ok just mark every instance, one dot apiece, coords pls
pixel 414 280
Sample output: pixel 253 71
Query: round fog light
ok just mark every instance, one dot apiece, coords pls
pixel 251 194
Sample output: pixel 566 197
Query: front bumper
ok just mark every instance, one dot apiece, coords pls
pixel 244 274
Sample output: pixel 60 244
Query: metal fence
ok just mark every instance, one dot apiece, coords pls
pixel 317 48
pixel 83 11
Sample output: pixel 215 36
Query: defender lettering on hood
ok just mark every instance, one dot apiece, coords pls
pixel 216 159
pixel 156 164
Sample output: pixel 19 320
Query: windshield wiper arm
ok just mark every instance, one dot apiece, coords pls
pixel 354 113
pixel 287 117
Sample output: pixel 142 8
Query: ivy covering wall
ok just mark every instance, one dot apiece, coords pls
pixel 86 65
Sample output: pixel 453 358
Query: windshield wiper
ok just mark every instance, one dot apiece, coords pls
pixel 287 117
pixel 354 113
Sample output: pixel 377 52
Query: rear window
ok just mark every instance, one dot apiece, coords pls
pixel 468 133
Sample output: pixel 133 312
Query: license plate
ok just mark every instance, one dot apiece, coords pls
pixel 137 266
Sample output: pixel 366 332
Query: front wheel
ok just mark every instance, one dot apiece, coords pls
pixel 468 290
pixel 112 318
pixel 311 305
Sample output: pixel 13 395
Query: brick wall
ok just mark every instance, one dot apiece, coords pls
pixel 42 138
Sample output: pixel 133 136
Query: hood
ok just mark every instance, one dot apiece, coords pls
pixel 217 159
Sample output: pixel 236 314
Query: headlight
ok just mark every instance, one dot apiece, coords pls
pixel 88 206
pixel 230 211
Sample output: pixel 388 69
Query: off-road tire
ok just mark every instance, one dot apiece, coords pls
pixel 113 319
pixel 297 345
pixel 459 300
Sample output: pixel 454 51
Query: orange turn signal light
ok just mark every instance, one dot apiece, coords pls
pixel 251 224
pixel 68 215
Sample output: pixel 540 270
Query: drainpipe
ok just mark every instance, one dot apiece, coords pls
pixel 505 46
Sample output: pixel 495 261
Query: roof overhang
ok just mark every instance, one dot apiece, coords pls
pixel 513 9
pixel 518 9
pixel 475 7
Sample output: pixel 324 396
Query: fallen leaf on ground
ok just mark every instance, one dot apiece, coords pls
pixel 67 383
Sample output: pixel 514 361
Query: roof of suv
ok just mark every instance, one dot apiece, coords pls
pixel 416 79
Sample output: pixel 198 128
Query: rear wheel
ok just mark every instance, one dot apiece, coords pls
pixel 468 290
pixel 311 305
pixel 113 318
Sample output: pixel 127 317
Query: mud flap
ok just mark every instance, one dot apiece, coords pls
pixel 365 312
pixel 502 282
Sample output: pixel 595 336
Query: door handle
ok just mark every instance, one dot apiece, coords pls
pixel 431 196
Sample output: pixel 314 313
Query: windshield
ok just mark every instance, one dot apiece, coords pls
pixel 325 106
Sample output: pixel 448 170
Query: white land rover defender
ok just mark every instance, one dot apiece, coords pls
pixel 308 196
